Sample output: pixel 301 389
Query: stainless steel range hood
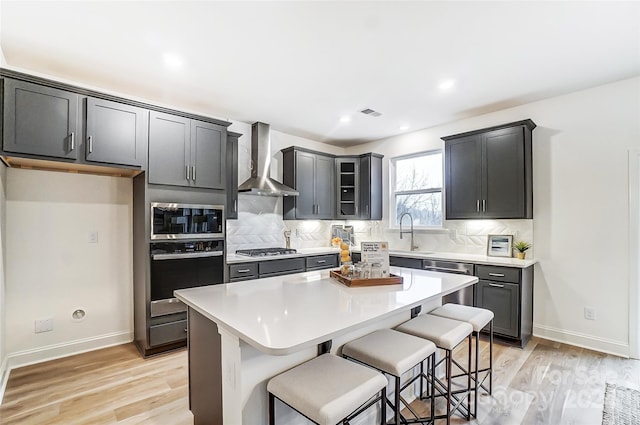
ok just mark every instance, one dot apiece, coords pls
pixel 260 183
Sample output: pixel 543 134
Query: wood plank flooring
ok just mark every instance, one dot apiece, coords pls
pixel 545 383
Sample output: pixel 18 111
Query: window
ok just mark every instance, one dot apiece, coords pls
pixel 417 188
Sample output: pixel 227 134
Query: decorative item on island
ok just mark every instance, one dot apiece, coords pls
pixel 372 270
pixel 521 247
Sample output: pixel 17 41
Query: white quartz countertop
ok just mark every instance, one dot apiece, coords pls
pixel 281 315
pixel 304 252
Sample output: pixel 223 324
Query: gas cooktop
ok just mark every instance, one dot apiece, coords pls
pixel 264 252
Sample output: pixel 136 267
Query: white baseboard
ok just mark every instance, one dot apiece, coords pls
pixel 65 349
pixel 604 345
pixel 4 376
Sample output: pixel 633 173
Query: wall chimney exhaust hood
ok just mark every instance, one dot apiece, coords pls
pixel 260 183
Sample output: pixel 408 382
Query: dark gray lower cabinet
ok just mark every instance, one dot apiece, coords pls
pixel 504 300
pixel 280 267
pixel 508 292
pixel 319 262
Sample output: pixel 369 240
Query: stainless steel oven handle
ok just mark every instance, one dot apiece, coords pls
pixel 187 255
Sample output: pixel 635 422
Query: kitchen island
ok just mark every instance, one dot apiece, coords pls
pixel 241 334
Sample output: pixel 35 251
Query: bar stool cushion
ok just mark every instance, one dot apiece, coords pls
pixel 326 389
pixel 445 333
pixel 477 317
pixel 390 351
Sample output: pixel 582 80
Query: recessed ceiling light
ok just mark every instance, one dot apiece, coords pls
pixel 172 61
pixel 345 118
pixel 447 84
pixel 404 127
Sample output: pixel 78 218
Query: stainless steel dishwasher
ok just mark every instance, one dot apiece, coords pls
pixel 463 296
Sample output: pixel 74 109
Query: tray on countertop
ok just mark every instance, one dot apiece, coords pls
pixel 349 281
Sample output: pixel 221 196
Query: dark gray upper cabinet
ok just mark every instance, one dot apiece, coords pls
pixel 348 188
pixel 115 133
pixel 312 174
pixel 185 152
pixel 232 175
pixel 208 155
pixel 488 173
pixel 371 186
pixel 40 120
pixel 169 149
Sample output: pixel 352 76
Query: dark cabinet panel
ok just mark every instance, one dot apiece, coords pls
pixel 504 300
pixel 324 187
pixel 40 120
pixel 208 152
pixel 232 175
pixel 318 262
pixel 488 173
pixel 281 267
pixel 115 133
pixel 504 182
pixel 312 174
pixel 371 186
pixel 169 152
pixel 243 271
pixel 184 152
pixel 410 263
pixel 463 178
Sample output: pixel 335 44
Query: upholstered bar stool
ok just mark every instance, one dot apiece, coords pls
pixel 328 390
pixel 446 334
pixel 478 318
pixel 396 353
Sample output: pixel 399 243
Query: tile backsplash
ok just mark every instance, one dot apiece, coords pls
pixel 260 225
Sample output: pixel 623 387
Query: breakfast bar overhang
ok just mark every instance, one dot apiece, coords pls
pixel 242 334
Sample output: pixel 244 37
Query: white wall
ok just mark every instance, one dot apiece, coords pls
pixel 52 269
pixel 581 223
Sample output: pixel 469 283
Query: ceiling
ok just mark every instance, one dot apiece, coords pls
pixel 301 66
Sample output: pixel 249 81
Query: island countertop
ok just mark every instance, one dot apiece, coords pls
pixel 284 314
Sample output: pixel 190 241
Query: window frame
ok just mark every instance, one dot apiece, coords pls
pixel 394 193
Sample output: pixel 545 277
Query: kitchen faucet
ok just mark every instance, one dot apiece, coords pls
pixel 413 247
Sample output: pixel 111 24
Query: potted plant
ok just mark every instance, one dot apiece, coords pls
pixel 521 247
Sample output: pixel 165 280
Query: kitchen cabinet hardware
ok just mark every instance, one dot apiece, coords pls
pixel 244 271
pixel 491 170
pixel 187 174
pixel 193 172
pixel 321 261
pixel 90 144
pixel 495 285
pixel 496 274
pixel 443 269
pixel 73 141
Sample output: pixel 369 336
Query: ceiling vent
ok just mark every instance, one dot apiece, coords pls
pixel 371 112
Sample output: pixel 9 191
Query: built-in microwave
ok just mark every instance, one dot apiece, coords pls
pixel 186 221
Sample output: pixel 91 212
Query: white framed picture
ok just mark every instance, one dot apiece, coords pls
pixel 499 245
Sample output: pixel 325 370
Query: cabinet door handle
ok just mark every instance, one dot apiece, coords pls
pixel 243 271
pixel 356 210
pixel 193 172
pixel 496 274
pixel 477 205
pixel 321 261
pixel 90 140
pixel 187 172
pixel 366 209
pixel 484 205
pixel 496 285
pixel 235 205
pixel 72 142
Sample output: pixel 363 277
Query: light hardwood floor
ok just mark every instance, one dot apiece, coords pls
pixel 546 383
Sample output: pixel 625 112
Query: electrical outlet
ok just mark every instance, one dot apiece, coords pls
pixel 590 313
pixel 44 325
pixel 93 237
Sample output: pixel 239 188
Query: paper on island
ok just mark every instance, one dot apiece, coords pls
pixel 376 252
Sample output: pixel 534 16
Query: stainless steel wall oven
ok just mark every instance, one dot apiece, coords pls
pixel 179 265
